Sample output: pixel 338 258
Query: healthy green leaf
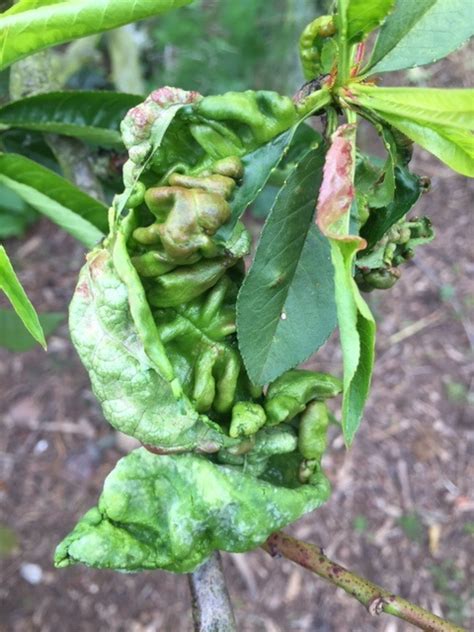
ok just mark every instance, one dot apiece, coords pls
pixel 50 194
pixel 426 106
pixel 14 336
pixel 363 17
pixel 172 512
pixel 34 26
pixel 356 324
pixel 357 332
pixel 286 308
pixel 452 146
pixel 258 166
pixel 92 116
pixel 421 32
pixel 27 5
pixel 10 284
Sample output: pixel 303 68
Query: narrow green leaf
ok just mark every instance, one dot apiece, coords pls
pixel 50 194
pixel 356 324
pixel 285 309
pixel 33 26
pixel 92 116
pixel 363 17
pixel 427 106
pixel 12 287
pixel 451 145
pixel 14 336
pixel 357 333
pixel 258 166
pixel 420 32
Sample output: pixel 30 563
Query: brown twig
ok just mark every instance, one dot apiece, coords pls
pixel 373 597
pixel 211 605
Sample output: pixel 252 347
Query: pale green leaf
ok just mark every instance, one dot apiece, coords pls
pixel 50 194
pixel 357 334
pixel 420 32
pixel 173 511
pixel 452 146
pixel 12 287
pixel 33 26
pixel 14 336
pixel 363 17
pixel 427 106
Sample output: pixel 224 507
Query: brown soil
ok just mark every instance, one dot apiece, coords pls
pixel 402 510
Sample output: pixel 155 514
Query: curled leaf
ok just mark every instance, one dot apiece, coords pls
pixel 171 512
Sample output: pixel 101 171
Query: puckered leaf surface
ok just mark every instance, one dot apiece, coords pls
pixel 171 512
pixel 126 379
pixel 356 323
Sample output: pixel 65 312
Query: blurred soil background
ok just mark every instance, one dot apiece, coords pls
pixel 402 509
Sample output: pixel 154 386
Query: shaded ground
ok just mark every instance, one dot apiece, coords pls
pixel 402 511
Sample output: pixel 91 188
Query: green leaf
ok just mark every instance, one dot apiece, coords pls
pixel 426 106
pixel 50 194
pixel 421 32
pixel 14 336
pixel 356 323
pixel 258 166
pixel 34 26
pixel 134 383
pixel 10 284
pixel 452 146
pixel 285 309
pixel 357 333
pixel 92 116
pixel 407 192
pixel 15 215
pixel 172 512
pixel 363 17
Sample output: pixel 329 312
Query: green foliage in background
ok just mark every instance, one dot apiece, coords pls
pixel 231 45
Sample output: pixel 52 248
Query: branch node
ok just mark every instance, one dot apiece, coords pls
pixel 375 606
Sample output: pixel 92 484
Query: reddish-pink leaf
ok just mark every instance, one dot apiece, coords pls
pixel 337 189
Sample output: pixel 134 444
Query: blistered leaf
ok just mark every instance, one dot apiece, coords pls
pixel 421 32
pixel 32 26
pixel 12 287
pixel 286 305
pixel 172 512
pixel 337 193
pixel 134 382
pixel 363 17
pixel 356 324
pixel 91 116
